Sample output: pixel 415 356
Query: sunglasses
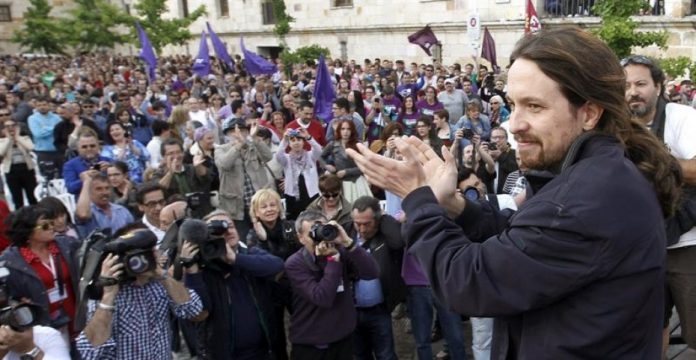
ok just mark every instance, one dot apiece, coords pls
pixel 330 195
pixel 90 146
pixel 4 114
pixel 44 225
pixel 636 59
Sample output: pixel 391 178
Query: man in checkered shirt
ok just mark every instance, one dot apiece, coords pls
pixel 131 321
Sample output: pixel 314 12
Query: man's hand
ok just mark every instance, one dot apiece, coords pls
pixel 199 159
pixel 230 255
pixel 399 177
pixel 325 248
pixel 343 239
pixel 111 269
pixel 19 342
pixel 88 174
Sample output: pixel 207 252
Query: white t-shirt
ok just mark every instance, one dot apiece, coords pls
pixel 50 341
pixel 680 136
pixel 154 148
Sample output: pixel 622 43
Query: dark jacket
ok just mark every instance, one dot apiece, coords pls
pixel 506 164
pixel 23 281
pixel 387 248
pixel 578 273
pixel 322 314
pixel 255 268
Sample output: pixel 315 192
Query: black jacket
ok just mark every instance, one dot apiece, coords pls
pixel 577 273
pixel 256 268
pixel 387 248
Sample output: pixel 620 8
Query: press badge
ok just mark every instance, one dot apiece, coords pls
pixel 54 295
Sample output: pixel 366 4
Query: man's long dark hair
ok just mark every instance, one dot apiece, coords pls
pixel 588 71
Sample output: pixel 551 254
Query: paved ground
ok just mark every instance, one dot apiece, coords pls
pixel 406 348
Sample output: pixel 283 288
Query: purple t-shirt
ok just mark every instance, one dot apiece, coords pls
pixel 427 109
pixel 408 121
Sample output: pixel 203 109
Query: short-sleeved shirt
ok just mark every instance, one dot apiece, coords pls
pixel 120 217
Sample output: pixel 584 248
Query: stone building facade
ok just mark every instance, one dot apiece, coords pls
pixel 358 29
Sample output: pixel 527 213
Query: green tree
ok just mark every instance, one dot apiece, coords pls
pixel 301 55
pixel 676 67
pixel 95 24
pixel 618 30
pixel 283 20
pixel 40 31
pixel 160 31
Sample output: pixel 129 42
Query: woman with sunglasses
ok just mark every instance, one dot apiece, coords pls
pixel 331 202
pixel 17 163
pixel 62 223
pixel 43 267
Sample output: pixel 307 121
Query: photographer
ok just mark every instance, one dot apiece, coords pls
pixel 321 275
pixel 88 159
pixel 233 287
pixel 179 178
pixel 131 319
pixel 122 147
pixel 43 267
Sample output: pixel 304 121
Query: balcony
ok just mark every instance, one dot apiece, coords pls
pixel 573 8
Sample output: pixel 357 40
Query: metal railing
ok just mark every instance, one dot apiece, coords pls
pixel 570 8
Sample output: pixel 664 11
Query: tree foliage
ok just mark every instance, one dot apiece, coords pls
pixel 160 31
pixel 283 20
pixel 618 30
pixel 302 55
pixel 95 24
pixel 40 31
pixel 676 67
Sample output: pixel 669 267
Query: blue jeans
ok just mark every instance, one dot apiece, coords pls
pixel 373 337
pixel 420 302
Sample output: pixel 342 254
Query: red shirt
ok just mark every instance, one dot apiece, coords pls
pixel 315 129
pixel 45 273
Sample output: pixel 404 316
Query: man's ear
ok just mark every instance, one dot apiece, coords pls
pixel 591 113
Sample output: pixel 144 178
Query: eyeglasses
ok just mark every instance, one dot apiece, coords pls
pixel 330 195
pixel 495 103
pixel 89 146
pixel 10 125
pixel 44 225
pixel 152 204
pixel 4 114
pixel 636 59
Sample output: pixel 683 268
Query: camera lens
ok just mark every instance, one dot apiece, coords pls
pixel 138 264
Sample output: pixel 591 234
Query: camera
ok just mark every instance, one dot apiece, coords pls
pixel 214 247
pixel 323 232
pixel 209 238
pixel 129 129
pixel 492 146
pixel 467 133
pixel 16 315
pixel 470 193
pixel 135 251
pixel 198 200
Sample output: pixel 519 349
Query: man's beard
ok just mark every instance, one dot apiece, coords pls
pixel 642 110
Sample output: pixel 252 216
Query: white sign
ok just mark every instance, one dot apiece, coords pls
pixel 473 28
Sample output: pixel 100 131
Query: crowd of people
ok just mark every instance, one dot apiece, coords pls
pixel 315 263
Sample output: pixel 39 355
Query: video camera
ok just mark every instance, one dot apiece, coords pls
pixel 323 232
pixel 135 252
pixel 18 316
pixel 209 238
pixel 197 200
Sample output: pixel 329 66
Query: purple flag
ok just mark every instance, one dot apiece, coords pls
pixel 146 52
pixel 425 38
pixel 255 64
pixel 488 50
pixel 324 93
pixel 201 64
pixel 220 49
